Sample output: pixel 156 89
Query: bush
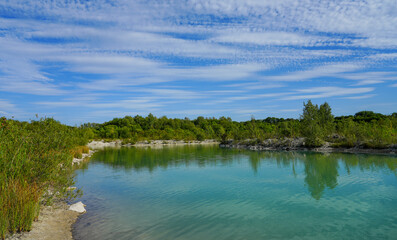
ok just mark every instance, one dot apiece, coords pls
pixel 313 142
pixel 34 158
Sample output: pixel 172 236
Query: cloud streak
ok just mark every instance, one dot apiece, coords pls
pixel 167 56
pixel 326 92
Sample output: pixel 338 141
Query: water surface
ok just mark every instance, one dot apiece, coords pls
pixel 204 192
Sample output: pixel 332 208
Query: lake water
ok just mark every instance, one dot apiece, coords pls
pixel 205 193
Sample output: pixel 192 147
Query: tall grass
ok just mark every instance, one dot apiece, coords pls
pixel 35 167
pixel 79 150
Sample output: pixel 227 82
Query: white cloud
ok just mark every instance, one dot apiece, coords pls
pixel 6 105
pixel 133 104
pixel 270 38
pixel 365 78
pixel 255 85
pixel 133 48
pixel 321 71
pixel 256 96
pixel 326 92
pixel 361 97
pixel 9 109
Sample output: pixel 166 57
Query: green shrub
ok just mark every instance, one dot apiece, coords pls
pixel 35 157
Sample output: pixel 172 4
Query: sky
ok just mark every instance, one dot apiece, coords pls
pixel 91 61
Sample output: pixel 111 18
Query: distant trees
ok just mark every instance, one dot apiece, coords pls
pixel 317 124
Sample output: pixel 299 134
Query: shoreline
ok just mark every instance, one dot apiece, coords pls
pixel 100 144
pixel 56 221
pixel 298 144
pixel 386 151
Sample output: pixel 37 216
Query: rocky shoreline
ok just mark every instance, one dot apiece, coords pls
pixel 298 144
pixel 77 161
pixel 100 144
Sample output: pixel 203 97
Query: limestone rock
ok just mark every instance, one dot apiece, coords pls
pixel 78 207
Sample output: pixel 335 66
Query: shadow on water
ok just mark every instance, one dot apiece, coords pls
pixel 321 170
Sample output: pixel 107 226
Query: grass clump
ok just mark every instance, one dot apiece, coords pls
pixel 79 150
pixel 35 167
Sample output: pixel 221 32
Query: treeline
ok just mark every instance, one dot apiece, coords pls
pixel 35 166
pixel 317 124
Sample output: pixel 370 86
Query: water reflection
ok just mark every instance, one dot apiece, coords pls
pixel 321 171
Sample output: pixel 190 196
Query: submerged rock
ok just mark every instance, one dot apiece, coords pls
pixel 78 207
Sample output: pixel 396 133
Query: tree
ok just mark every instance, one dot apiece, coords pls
pixel 111 131
pixel 310 124
pixel 325 119
pixel 254 131
pixel 125 132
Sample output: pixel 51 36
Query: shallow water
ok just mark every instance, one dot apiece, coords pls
pixel 204 192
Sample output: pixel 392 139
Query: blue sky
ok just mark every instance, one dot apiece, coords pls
pixel 91 61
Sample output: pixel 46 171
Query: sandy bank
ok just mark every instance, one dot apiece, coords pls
pixel 55 222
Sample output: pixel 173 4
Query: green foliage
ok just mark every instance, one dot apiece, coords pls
pixel 311 127
pixel 325 119
pixel 35 165
pixel 316 124
pixel 368 116
pixel 365 129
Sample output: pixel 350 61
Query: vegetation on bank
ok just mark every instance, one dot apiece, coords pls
pixel 35 166
pixel 316 124
pixel 36 157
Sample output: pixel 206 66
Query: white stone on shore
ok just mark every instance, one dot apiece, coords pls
pixel 78 207
pixel 118 143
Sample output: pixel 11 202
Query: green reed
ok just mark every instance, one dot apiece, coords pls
pixel 35 166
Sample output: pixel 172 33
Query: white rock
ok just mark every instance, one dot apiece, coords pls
pixel 77 207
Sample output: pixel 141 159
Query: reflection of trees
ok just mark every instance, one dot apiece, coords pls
pixel 321 170
pixel 152 158
pixel 254 159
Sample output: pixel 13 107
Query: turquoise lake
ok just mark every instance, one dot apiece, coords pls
pixel 205 193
